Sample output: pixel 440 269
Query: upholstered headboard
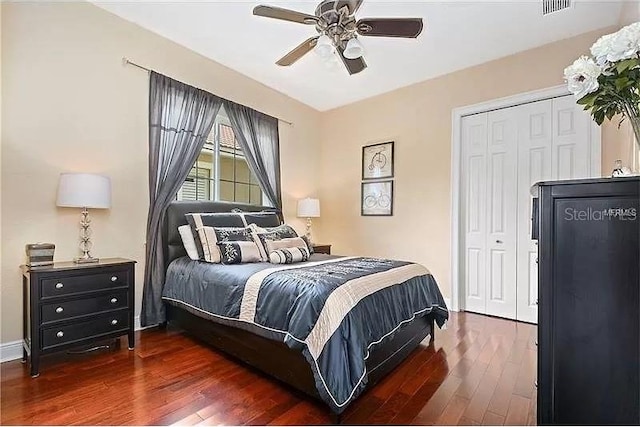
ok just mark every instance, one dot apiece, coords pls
pixel 174 218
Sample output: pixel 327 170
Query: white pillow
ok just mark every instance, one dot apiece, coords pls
pixel 188 241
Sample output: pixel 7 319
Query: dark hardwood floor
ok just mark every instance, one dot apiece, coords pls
pixel 481 370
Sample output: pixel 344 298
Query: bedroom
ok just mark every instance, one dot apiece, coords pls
pixel 69 104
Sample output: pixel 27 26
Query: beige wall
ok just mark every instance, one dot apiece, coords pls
pixel 70 105
pixel 630 12
pixel 418 119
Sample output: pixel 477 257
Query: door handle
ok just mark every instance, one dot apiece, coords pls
pixel 499 242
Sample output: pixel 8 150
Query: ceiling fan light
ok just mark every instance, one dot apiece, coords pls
pixel 354 49
pixel 324 47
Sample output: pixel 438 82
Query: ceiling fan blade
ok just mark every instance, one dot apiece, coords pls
pixel 390 27
pixel 285 15
pixel 354 66
pixel 298 52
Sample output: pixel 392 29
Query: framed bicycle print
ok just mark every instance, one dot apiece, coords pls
pixel 377 198
pixel 377 161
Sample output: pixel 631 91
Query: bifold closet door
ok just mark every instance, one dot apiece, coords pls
pixel 474 202
pixel 535 145
pixel 490 185
pixel 554 143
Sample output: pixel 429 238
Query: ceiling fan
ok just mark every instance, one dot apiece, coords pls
pixel 338 31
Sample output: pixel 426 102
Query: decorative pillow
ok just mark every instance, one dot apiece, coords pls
pixel 261 240
pixel 308 243
pixel 188 242
pixel 214 219
pixel 211 236
pixel 239 252
pixel 289 255
pixel 262 219
pixel 288 243
pixel 260 235
pixel 283 231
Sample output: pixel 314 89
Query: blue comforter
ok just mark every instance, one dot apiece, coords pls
pixel 333 309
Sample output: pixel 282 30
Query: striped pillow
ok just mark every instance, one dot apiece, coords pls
pixel 211 219
pixel 289 255
pixel 211 236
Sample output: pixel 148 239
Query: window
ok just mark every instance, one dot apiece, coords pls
pixel 221 172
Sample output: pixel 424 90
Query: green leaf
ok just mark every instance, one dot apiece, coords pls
pixel 621 83
pixel 588 99
pixel 626 64
pixel 598 116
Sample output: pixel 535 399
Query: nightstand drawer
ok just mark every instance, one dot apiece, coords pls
pixel 83 283
pixel 102 325
pixel 81 307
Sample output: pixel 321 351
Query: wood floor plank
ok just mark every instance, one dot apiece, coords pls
pixel 478 371
pixel 491 419
pixel 518 411
pixel 453 411
pixel 501 398
pixel 438 402
pixel 479 402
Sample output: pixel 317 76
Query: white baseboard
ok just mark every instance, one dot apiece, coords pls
pixel 10 351
pixel 13 350
pixel 447 301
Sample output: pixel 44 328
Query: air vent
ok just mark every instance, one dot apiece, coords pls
pixel 550 6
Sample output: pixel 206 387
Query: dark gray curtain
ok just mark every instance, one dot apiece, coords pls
pixel 180 119
pixel 257 135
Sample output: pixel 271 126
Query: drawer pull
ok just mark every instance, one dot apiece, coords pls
pixel 114 322
pixel 114 300
pixel 59 286
pixel 114 278
pixel 59 310
pixel 60 334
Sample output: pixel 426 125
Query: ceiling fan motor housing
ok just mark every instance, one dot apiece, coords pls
pixel 336 21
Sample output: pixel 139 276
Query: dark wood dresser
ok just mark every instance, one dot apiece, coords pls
pixel 321 249
pixel 68 305
pixel 589 302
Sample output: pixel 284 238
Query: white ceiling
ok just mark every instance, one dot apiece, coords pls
pixel 457 35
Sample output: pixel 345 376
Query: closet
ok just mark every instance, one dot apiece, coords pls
pixel 504 152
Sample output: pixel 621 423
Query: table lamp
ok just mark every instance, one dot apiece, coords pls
pixel 86 191
pixel 308 208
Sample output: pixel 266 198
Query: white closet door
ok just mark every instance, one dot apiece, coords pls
pixel 502 169
pixel 474 183
pixel 535 144
pixel 571 140
pixel 504 153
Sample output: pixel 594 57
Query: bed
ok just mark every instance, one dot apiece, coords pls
pixel 208 301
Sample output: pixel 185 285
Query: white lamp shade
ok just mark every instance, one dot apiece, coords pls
pixel 308 208
pixel 324 47
pixel 84 190
pixel 354 49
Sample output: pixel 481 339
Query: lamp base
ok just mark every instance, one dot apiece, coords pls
pixel 86 260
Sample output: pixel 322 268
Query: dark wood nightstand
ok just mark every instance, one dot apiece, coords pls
pixel 321 249
pixel 67 305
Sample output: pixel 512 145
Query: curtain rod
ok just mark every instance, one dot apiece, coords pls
pixel 126 61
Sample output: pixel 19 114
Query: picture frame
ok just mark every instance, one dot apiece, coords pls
pixel 377 161
pixel 376 198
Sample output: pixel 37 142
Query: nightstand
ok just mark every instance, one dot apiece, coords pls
pixel 67 305
pixel 321 249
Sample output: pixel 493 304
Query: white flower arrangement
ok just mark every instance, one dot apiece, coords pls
pixel 608 84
